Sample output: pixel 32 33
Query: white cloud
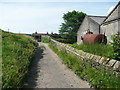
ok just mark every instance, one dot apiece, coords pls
pixel 110 9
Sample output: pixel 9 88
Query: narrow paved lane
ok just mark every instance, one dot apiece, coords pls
pixel 48 71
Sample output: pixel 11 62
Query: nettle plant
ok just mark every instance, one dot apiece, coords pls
pixel 116 46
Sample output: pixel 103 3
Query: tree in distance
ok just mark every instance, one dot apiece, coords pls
pixel 72 21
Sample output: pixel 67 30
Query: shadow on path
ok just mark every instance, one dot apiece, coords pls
pixel 34 70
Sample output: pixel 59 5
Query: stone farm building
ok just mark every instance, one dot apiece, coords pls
pixel 101 24
pixel 90 23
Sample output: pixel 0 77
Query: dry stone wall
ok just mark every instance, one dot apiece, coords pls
pixel 110 64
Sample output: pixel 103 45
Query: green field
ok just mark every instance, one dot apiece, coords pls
pixel 17 53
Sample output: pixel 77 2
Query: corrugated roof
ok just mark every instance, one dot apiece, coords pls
pixel 98 19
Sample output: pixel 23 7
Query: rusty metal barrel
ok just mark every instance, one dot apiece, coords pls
pixel 94 38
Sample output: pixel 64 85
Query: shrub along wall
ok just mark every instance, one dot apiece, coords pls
pixel 99 71
pixel 116 46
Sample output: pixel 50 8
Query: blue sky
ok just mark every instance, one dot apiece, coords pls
pixel 31 16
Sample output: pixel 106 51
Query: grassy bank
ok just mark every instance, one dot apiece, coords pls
pixel 46 40
pixel 17 53
pixel 96 76
pixel 97 49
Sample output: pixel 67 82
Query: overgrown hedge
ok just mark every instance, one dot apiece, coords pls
pixel 96 76
pixel 46 40
pixel 17 53
pixel 116 46
pixel 62 40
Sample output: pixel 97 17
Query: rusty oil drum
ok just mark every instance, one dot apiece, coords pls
pixel 94 38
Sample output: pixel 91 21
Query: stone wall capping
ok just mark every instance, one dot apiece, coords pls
pixel 88 55
pixel 76 50
pixel 91 56
pixel 101 60
pixel 80 51
pixel 84 54
pixel 117 66
pixel 98 58
pixel 94 57
pixel 105 60
pixel 111 62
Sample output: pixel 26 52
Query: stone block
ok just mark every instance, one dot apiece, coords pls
pixel 84 54
pixel 111 62
pixel 79 52
pixel 101 60
pixel 117 66
pixel 76 50
pixel 98 58
pixel 88 56
pixel 105 60
pixel 91 57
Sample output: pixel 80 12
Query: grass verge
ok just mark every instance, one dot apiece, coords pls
pixel 97 49
pixel 96 76
pixel 46 40
pixel 17 53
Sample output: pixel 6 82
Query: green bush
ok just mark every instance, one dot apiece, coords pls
pixel 96 76
pixel 17 53
pixel 116 46
pixel 97 49
pixel 46 40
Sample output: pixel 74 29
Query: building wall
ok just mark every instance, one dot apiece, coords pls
pixel 119 25
pixel 88 24
pixel 109 30
pixel 111 25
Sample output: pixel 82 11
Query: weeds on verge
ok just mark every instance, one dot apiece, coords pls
pixel 46 40
pixel 96 76
pixel 17 52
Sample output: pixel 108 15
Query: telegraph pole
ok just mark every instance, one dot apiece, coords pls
pixel 8 29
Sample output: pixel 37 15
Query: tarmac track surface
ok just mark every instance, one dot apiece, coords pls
pixel 48 71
